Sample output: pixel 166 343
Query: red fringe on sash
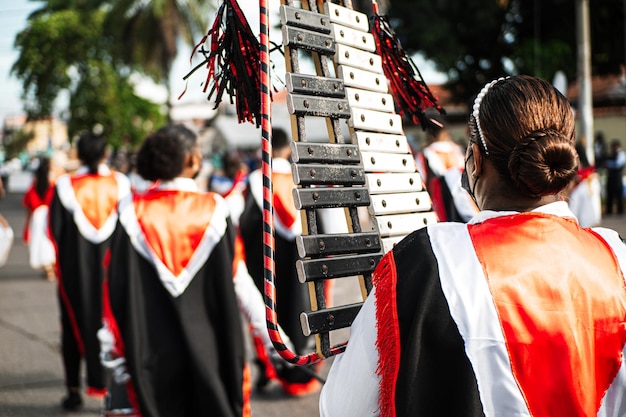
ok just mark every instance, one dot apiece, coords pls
pixel 388 340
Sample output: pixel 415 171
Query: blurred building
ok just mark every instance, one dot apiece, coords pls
pixel 219 129
pixel 609 105
pixel 44 135
pixel 609 109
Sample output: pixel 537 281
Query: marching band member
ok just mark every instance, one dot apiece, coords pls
pixel 521 312
pixel 36 201
pixel 170 302
pixel 293 296
pixel 441 165
pixel 231 182
pixel 82 217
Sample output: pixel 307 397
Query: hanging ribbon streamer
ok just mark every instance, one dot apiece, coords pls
pixel 406 84
pixel 232 61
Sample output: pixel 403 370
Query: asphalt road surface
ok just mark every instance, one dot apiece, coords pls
pixel 31 374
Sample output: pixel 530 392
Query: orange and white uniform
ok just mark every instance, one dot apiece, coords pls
pixel 513 314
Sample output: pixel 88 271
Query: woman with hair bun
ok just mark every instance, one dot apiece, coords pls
pixel 520 312
pixel 171 315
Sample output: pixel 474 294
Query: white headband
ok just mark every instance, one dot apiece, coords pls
pixel 476 110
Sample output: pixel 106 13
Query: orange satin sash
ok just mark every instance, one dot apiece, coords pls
pixel 283 199
pixel 560 297
pixel 174 223
pixel 97 195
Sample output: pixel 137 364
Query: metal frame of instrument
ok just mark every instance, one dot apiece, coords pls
pixel 372 168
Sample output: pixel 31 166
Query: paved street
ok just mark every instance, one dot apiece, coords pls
pixel 31 375
pixel 31 378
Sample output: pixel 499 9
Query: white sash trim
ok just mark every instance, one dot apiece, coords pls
pixel 86 229
pixel 175 285
pixel 179 184
pixel 473 310
pixel 102 170
pixel 40 248
pixel 614 401
pixel 255 179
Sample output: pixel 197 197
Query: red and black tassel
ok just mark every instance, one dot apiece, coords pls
pixel 233 62
pixel 410 92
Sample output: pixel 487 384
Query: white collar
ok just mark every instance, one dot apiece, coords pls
pixel 178 184
pixel 443 146
pixel 558 208
pixel 102 170
pixel 281 165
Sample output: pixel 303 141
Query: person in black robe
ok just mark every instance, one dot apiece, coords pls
pixel 292 296
pixel 83 214
pixel 615 163
pixel 171 311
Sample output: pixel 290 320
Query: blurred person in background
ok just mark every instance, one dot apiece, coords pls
pixel 6 232
pixel 3 191
pixel 292 296
pixel 6 240
pixel 172 326
pixel 231 182
pixel 82 218
pixel 615 162
pixel 599 151
pixel 584 193
pixel 441 164
pixel 36 201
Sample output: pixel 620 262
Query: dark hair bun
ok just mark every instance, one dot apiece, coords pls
pixel 91 150
pixel 543 163
pixel 160 157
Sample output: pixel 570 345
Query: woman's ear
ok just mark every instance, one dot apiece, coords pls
pixel 477 169
pixel 196 161
pixel 191 164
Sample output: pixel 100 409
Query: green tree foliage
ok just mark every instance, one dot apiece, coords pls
pixel 49 47
pixel 474 41
pixel 104 95
pixel 63 50
pixel 146 33
pixel 15 142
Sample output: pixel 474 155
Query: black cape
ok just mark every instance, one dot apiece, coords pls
pixel 80 251
pixel 184 345
pixel 292 297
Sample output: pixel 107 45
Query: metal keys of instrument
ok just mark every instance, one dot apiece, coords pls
pixel 373 168
pixel 393 181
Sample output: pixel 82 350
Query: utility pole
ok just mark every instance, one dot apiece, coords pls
pixel 585 97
